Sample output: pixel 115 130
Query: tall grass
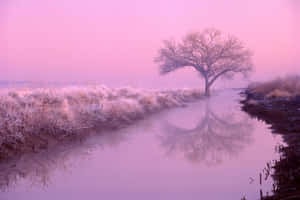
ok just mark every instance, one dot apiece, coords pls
pixel 58 113
pixel 279 88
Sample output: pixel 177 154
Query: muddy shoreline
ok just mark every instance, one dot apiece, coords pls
pixel 283 116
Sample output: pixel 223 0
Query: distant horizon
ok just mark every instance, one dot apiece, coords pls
pixel 115 42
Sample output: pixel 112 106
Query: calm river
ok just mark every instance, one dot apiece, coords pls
pixel 207 150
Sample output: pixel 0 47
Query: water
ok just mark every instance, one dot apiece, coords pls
pixel 208 150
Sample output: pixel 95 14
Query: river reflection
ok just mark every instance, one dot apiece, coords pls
pixel 215 137
pixel 217 134
pixel 38 168
pixel 165 156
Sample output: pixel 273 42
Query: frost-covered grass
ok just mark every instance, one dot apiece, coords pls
pixel 28 114
pixel 279 88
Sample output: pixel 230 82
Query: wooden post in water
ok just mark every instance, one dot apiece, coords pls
pixel 260 177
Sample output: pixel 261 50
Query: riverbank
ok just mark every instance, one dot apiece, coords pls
pixel 281 110
pixel 283 114
pixel 34 119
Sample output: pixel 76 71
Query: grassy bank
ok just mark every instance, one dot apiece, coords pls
pixel 33 119
pixel 288 87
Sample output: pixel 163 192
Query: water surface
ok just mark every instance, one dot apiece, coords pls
pixel 208 150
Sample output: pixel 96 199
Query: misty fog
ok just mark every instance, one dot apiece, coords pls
pixel 114 43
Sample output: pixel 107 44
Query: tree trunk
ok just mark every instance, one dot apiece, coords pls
pixel 207 91
pixel 207 88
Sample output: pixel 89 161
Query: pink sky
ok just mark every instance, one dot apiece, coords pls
pixel 74 40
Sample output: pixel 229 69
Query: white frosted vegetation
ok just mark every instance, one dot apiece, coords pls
pixel 64 112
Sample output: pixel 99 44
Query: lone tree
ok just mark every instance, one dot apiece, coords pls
pixel 210 52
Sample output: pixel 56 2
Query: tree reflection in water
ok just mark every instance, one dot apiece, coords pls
pixel 215 136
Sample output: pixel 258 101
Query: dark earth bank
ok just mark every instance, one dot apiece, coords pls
pixel 283 116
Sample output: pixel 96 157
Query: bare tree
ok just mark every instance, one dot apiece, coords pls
pixel 210 52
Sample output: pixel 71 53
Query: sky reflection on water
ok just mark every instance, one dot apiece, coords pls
pixel 136 162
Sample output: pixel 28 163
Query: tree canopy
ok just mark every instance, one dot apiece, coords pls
pixel 210 52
